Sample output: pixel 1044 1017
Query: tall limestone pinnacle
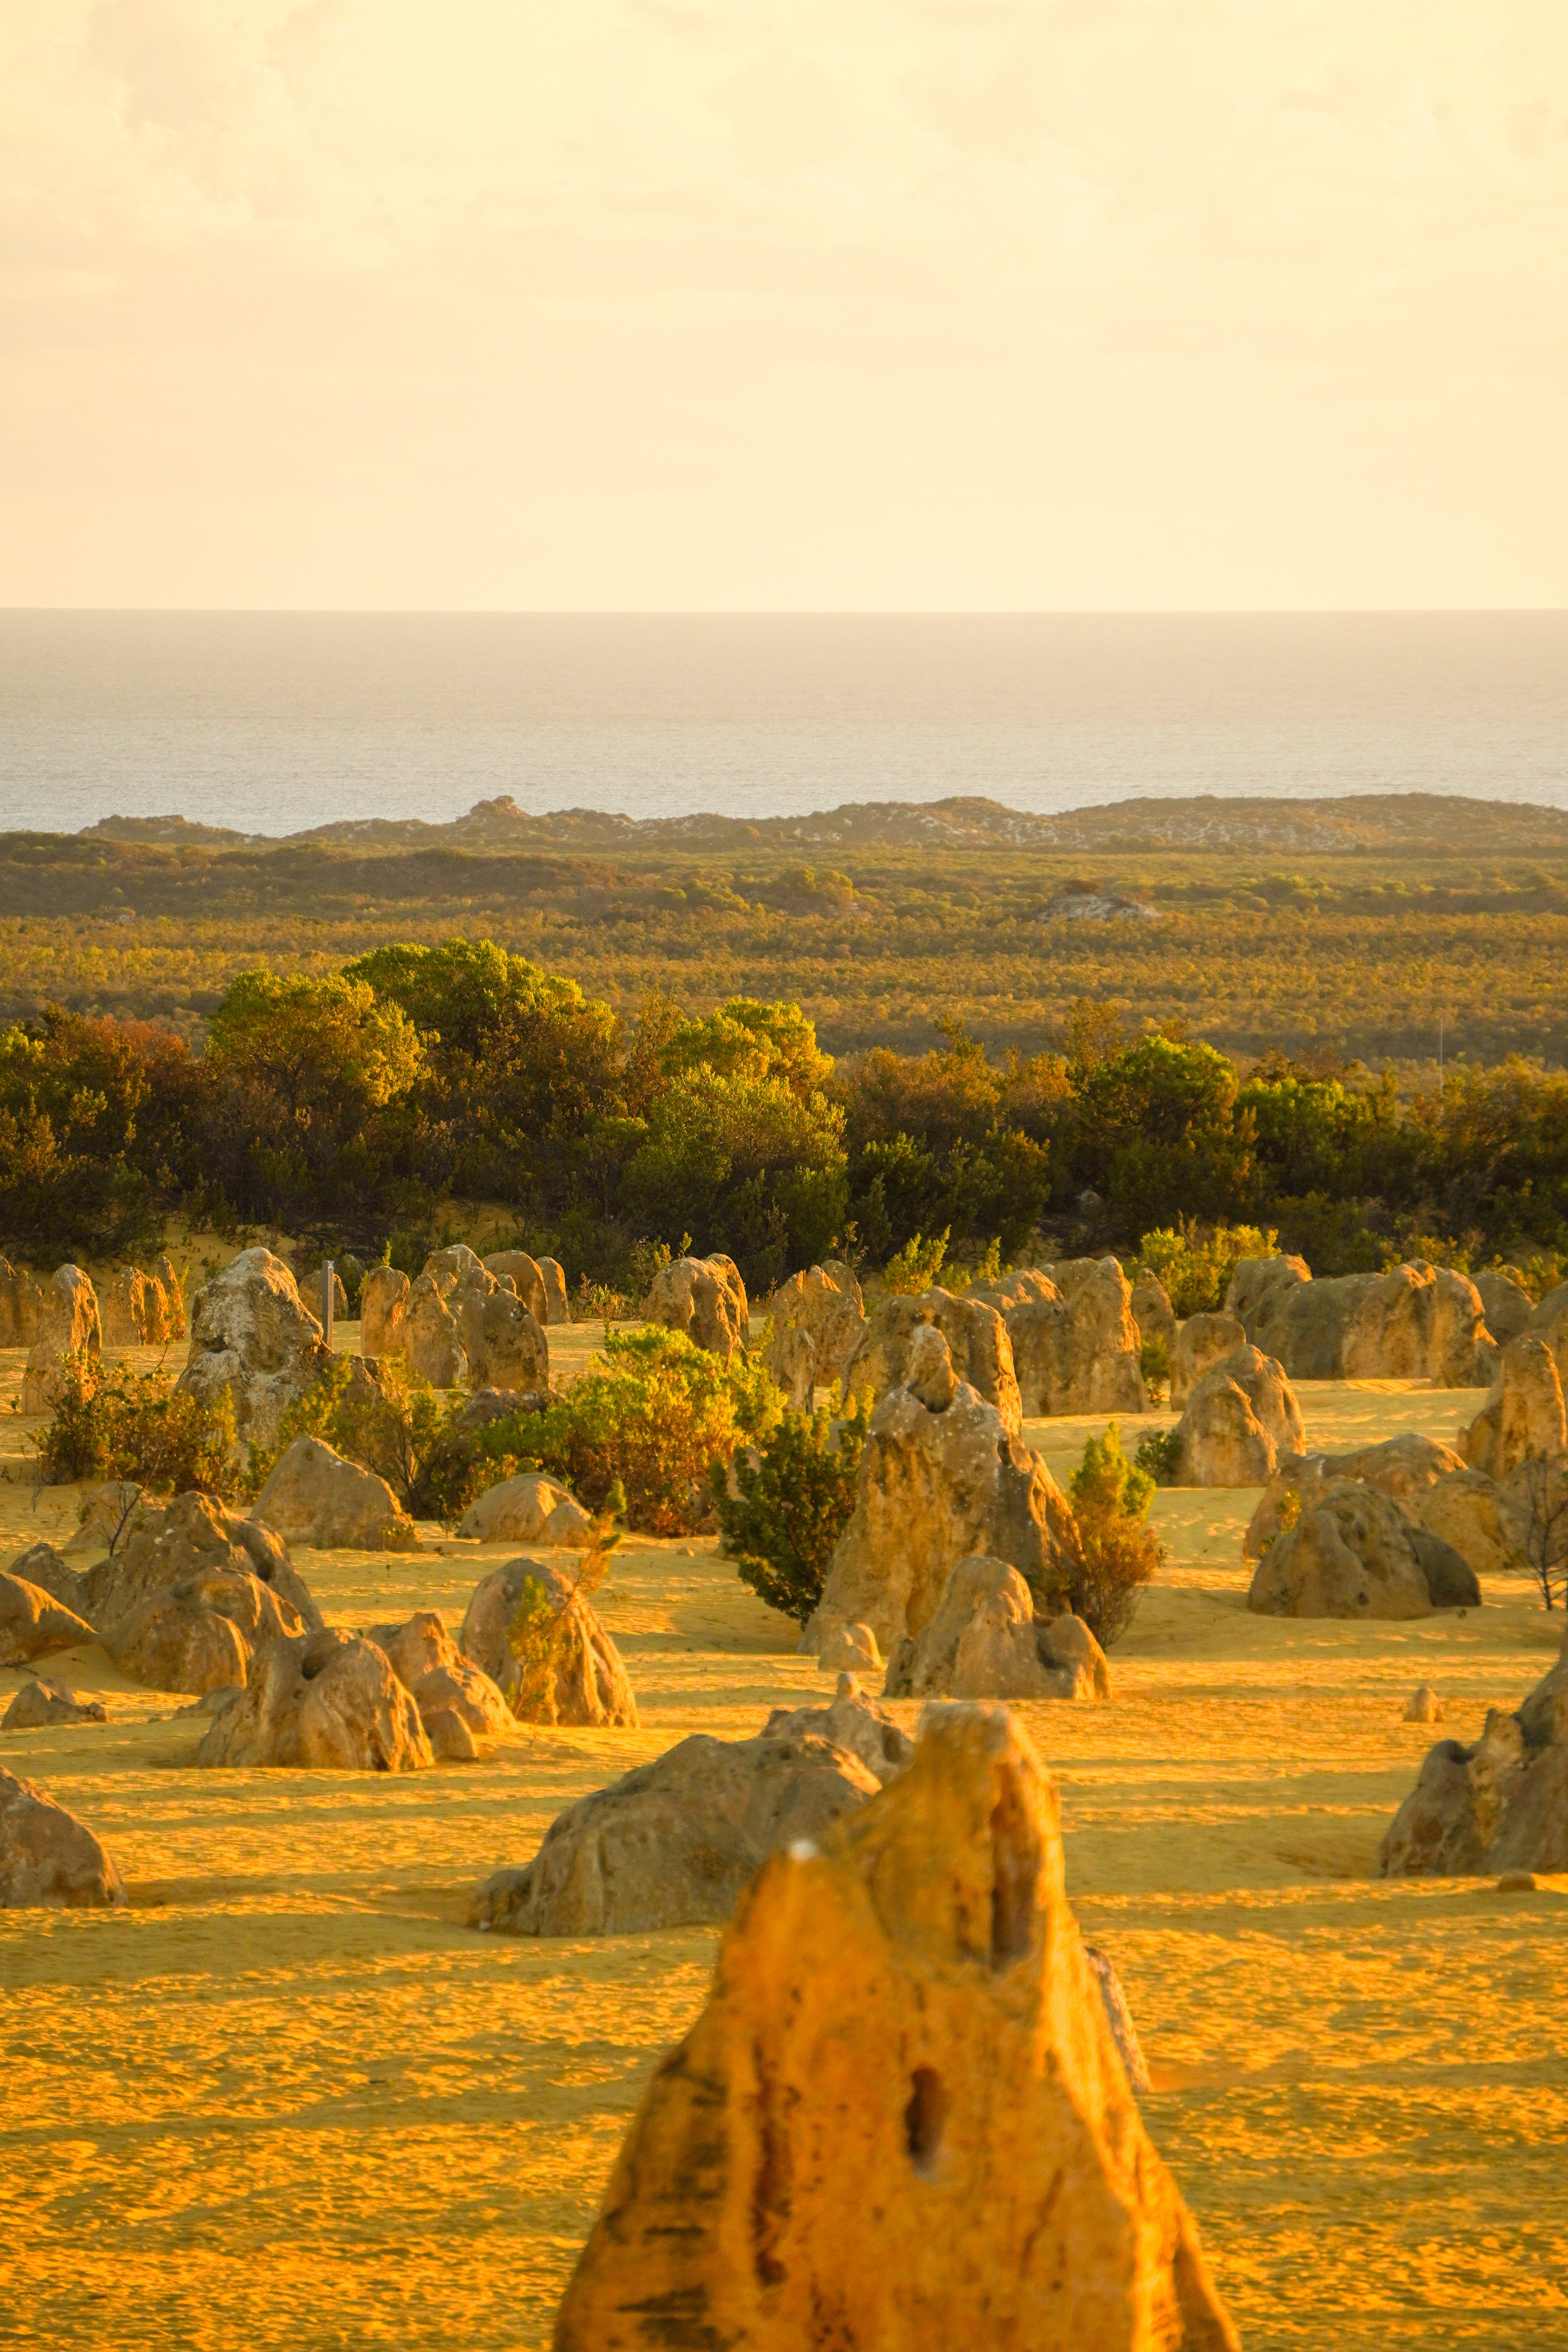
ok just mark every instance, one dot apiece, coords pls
pixel 901 2122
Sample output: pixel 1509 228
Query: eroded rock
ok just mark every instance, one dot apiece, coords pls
pixel 1523 1418
pixel 314 1496
pixel 902 2119
pixel 49 1860
pixel 328 1701
pixel 706 1298
pixel 529 1508
pixel 383 1304
pixel 68 1326
pixel 1500 1805
pixel 32 1623
pixel 1202 1342
pixel 853 1722
pixel 675 1842
pixel 39 1705
pixel 585 1682
pixel 457 1702
pixel 976 1339
pixel 984 1641
pixel 1354 1554
pixel 1241 1417
pixel 941 1478
pixel 819 1321
pixel 253 1340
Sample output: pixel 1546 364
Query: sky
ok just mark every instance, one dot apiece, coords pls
pixel 871 305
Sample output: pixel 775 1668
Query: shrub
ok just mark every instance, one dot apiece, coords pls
pixel 394 1433
pixel 1159 1456
pixel 115 1423
pixel 1120 1551
pixel 1155 1363
pixel 791 1505
pixel 653 1413
pixel 916 1267
pixel 1289 1515
pixel 1196 1263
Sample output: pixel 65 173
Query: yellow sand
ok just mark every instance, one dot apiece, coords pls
pixel 287 2100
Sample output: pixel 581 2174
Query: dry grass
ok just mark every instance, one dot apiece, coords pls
pixel 288 2100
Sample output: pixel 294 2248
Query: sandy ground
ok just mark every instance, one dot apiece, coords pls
pixel 288 2100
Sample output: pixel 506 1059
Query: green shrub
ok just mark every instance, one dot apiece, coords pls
pixel 653 1413
pixel 1195 1261
pixel 791 1505
pixel 1286 1516
pixel 1111 1499
pixel 916 1267
pixel 1159 1456
pixel 1155 1363
pixel 110 1423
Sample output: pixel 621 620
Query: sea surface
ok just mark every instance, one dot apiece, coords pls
pixel 275 722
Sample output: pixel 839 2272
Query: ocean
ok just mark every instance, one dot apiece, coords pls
pixel 275 722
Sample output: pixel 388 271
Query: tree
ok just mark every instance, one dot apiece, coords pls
pixel 1535 1515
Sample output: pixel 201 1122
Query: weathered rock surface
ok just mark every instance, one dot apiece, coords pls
pixel 457 1702
pixel 42 1565
pixel 139 1310
pixel 32 1623
pixel 1508 1305
pixel 1202 1342
pixel 1074 1338
pixel 21 1305
pixel 1423 1705
pixel 524 1273
pixel 252 1338
pixel 1354 1554
pixel 328 1701
pixel 111 1512
pixel 976 1339
pixel 941 1478
pixel 706 1298
pixel 587 1683
pixel 1252 1278
pixel 852 1650
pixel 68 1326
pixel 201 1633
pixel 497 1405
pixel 819 1321
pixel 529 1508
pixel 1500 1805
pixel 382 1303
pixel 1523 1418
pixel 1549 1322
pixel 1417 1322
pixel 984 1641
pixel 314 1496
pixel 1429 1482
pixel 853 1722
pixel 1240 1418
pixel 431 1336
pixel 674 1843
pixel 557 1305
pixel 1152 1311
pixel 503 1341
pixel 901 2120
pixel 193 1537
pixel 49 1860
pixel 38 1704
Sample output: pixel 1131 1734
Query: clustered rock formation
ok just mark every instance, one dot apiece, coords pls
pixel 1353 1553
pixel 1432 1485
pixel 984 1641
pixel 1417 1322
pixel 902 2119
pixel 314 1496
pixel 463 1321
pixel 1241 1418
pixel 1501 1805
pixel 143 1311
pixel 705 1298
pixel 67 1325
pixel 941 1477
pixel 1074 1340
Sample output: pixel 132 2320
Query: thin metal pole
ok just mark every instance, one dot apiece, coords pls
pixel 329 1284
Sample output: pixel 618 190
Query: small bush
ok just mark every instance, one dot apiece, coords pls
pixel 1111 1497
pixel 394 1434
pixel 654 1413
pixel 916 1267
pixel 115 1423
pixel 791 1505
pixel 1289 1515
pixel 1155 1363
pixel 1195 1261
pixel 540 1629
pixel 1159 1456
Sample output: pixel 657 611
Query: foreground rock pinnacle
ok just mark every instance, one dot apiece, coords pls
pixel 901 2122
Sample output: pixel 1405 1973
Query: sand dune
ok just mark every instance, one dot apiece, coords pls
pixel 286 2099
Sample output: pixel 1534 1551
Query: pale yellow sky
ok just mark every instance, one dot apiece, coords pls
pixel 703 304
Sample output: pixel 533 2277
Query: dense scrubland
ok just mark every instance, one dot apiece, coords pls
pixel 720 1030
